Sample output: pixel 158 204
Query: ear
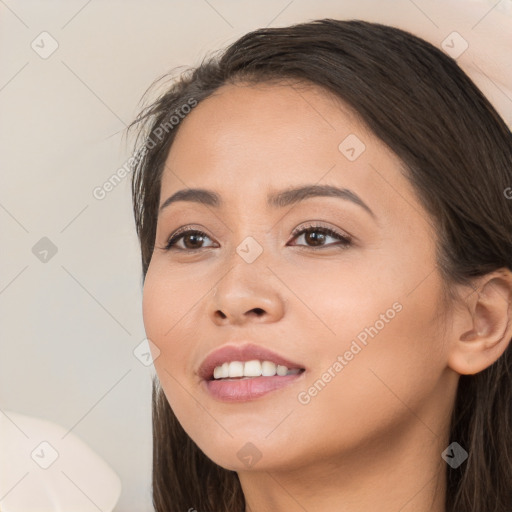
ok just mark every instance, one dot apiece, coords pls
pixel 484 329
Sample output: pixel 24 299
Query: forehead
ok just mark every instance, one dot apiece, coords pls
pixel 238 119
pixel 246 140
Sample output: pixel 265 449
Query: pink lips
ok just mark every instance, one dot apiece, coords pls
pixel 243 389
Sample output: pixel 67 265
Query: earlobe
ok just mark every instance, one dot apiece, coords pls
pixel 489 317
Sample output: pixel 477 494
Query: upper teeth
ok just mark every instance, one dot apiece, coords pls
pixel 252 368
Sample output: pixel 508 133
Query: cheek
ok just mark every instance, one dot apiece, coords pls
pixel 400 355
pixel 167 302
pixel 335 300
pixel 381 386
pixel 166 308
pixel 168 296
pixel 389 340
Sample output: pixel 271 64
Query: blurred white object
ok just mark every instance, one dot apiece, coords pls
pixel 478 34
pixel 45 468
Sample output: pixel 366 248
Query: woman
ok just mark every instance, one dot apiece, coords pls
pixel 326 243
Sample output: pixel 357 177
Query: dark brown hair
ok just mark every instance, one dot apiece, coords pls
pixel 456 152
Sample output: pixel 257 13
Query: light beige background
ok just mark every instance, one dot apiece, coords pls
pixel 69 325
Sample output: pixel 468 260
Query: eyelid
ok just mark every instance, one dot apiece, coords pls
pixel 344 239
pixel 318 224
pixel 176 235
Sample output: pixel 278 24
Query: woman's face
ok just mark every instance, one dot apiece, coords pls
pixel 358 317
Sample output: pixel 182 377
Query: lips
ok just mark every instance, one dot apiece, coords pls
pixel 242 353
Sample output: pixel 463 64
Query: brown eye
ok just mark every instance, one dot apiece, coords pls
pixel 192 240
pixel 316 236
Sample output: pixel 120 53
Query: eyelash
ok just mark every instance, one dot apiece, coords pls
pixel 344 239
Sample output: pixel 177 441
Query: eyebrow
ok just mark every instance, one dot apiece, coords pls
pixel 280 199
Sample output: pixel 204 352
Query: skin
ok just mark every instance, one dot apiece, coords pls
pixel 372 438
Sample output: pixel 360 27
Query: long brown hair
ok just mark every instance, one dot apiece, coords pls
pixel 456 151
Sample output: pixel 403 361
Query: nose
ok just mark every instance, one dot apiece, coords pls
pixel 246 295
